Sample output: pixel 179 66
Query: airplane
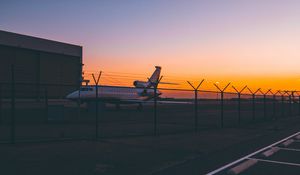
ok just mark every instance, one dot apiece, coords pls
pixel 141 92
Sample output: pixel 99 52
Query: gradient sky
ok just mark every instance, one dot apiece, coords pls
pixel 255 42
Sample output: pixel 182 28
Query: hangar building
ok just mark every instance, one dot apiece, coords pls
pixel 40 65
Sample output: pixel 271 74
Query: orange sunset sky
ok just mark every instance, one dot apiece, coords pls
pixel 254 43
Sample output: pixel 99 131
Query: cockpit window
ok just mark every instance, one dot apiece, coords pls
pixel 86 89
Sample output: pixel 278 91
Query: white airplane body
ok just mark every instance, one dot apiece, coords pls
pixel 112 94
pixel 119 95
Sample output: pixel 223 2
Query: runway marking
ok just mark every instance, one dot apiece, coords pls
pixel 289 149
pixel 288 142
pixel 251 154
pixel 276 162
pixel 242 167
pixel 270 152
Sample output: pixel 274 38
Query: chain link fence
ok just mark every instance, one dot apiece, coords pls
pixel 30 112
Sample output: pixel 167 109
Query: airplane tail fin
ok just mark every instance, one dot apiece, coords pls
pixel 155 76
pixel 153 79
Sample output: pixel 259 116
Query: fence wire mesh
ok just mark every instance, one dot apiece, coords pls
pixel 43 112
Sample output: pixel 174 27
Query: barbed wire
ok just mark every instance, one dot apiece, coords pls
pixel 126 79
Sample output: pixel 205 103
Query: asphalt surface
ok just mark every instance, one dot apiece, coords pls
pixel 284 161
pixel 211 161
pixel 186 153
pixel 126 143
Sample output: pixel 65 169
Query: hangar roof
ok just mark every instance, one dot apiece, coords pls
pixel 34 43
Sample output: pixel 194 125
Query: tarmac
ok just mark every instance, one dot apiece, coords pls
pixel 180 153
pixel 281 157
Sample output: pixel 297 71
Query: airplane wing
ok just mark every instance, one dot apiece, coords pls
pixel 169 102
pixel 169 83
pixel 151 102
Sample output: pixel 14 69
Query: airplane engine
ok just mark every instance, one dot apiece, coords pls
pixel 140 84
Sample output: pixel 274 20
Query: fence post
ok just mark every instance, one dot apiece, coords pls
pixel 239 102
pixel 265 103
pixel 253 107
pixel 13 104
pixel 222 109
pixel 78 104
pixel 274 104
pixel 155 111
pixel 239 108
pixel 196 103
pixel 265 111
pixel 46 105
pixel 290 104
pixel 1 104
pixel 299 104
pixel 282 104
pixel 222 102
pixel 155 85
pixel 253 102
pixel 97 105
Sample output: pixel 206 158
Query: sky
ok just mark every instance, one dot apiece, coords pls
pixel 254 43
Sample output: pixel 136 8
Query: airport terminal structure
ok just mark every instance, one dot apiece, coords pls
pixel 39 65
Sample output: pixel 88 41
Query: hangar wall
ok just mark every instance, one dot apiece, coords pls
pixel 39 65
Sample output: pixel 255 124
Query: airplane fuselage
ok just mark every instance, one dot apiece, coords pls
pixel 113 94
